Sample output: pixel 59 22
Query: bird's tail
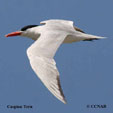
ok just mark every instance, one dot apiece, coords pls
pixel 88 37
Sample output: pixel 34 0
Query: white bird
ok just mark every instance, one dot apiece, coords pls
pixel 49 37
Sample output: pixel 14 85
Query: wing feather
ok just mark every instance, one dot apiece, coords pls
pixel 41 55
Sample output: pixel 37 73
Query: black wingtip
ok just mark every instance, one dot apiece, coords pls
pixel 91 39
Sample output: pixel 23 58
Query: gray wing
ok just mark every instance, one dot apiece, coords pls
pixel 41 55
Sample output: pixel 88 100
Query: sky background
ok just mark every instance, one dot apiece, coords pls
pixel 86 68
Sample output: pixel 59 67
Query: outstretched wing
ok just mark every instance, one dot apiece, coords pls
pixel 41 55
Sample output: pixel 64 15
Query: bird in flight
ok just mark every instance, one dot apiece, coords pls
pixel 48 37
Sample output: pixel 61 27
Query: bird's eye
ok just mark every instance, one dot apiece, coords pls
pixel 27 27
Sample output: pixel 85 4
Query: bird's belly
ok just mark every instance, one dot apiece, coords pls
pixel 71 39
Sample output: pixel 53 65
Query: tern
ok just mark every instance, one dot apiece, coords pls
pixel 48 37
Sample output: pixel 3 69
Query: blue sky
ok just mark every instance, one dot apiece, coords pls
pixel 86 68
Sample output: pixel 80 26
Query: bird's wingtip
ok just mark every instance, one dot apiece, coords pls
pixel 64 101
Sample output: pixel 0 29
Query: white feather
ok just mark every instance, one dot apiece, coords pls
pixel 52 34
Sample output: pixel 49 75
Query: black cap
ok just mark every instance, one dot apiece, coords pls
pixel 27 27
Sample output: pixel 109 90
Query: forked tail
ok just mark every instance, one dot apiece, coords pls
pixel 88 37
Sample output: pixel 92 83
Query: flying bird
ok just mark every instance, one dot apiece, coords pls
pixel 48 37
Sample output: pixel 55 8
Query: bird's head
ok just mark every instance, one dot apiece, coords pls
pixel 26 31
